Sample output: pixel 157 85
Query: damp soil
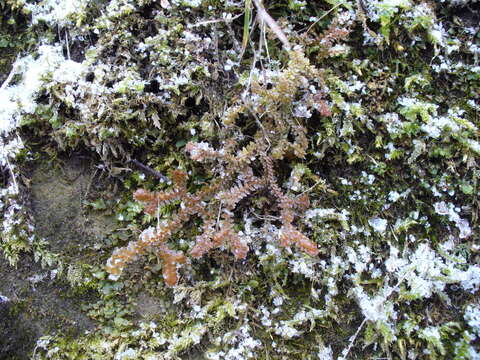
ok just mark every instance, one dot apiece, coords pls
pixel 37 306
pixel 35 302
pixel 59 195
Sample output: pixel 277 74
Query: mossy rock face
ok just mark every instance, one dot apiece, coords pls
pixel 309 179
pixel 42 302
pixel 16 338
pixel 38 306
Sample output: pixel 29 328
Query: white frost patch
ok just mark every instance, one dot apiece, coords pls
pixel 426 273
pixel 59 12
pixel 375 308
pixel 437 125
pixel 302 111
pixel 470 279
pixel 318 215
pixel 20 98
pixel 394 262
pixel 473 145
pixel 126 354
pixel 472 317
pixel 303 265
pixel 68 72
pixel 431 333
pixel 360 258
pixel 378 224
pixel 242 345
pixel 278 301
pixel 393 196
pixel 286 331
pixel 442 208
pixel 325 353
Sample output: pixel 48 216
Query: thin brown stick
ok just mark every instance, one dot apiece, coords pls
pixel 272 24
pixel 149 170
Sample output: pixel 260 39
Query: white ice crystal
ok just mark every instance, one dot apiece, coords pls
pixel 394 262
pixel 286 331
pixel 470 279
pixel 241 345
pixel 20 98
pixel 318 215
pixel 448 209
pixel 56 12
pixel 325 353
pixel 304 266
pixel 126 354
pixel 378 224
pixel 374 308
pixel 302 111
pixel 472 317
pixel 68 71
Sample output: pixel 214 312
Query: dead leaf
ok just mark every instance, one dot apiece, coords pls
pixel 156 120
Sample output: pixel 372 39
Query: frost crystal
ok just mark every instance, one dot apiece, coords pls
pixel 304 266
pixel 375 308
pixel 325 353
pixel 126 354
pixel 378 224
pixel 472 317
pixel 302 111
pixel 278 301
pixel 57 11
pixel 393 196
pixel 471 279
pixel 451 211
